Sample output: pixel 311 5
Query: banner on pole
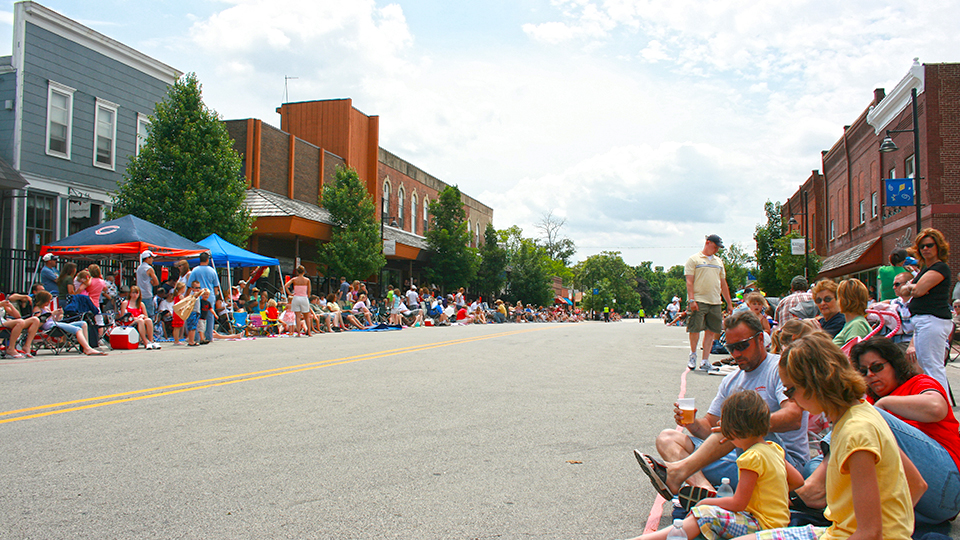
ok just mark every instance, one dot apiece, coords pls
pixel 899 191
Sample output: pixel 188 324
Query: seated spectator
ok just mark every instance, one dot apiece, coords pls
pixel 713 457
pixel 916 409
pixel 853 297
pixel 825 297
pixel 134 306
pixel 319 319
pixel 500 315
pixel 65 282
pixel 164 321
pixel 336 317
pixel 758 305
pixel 10 318
pixel 360 309
pixel 479 316
pixel 798 304
pixel 78 329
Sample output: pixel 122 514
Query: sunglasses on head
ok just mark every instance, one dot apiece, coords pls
pixel 872 368
pixel 826 299
pixel 741 346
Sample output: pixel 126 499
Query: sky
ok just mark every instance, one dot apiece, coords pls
pixel 644 124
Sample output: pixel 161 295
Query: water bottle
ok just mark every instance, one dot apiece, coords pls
pixel 725 489
pixel 676 533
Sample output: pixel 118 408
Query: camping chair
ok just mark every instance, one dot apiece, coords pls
pixel 56 340
pixel 273 325
pixel 255 325
pixel 240 321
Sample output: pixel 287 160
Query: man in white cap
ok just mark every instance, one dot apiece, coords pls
pixel 146 280
pixel 48 274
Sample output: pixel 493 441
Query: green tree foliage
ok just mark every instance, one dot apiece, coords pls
pixel 187 176
pixel 453 263
pixel 529 281
pixel 768 249
pixel 491 275
pixel 675 284
pixel 789 265
pixel 613 277
pixel 736 264
pixel 355 248
pixel 655 279
pixel 557 247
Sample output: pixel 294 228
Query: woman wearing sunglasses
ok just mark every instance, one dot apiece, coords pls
pixel 930 304
pixel 825 297
pixel 915 407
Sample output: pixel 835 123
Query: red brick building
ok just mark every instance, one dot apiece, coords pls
pixel 287 168
pixel 850 224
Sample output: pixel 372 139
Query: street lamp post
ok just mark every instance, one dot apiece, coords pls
pixel 806 234
pixel 889 146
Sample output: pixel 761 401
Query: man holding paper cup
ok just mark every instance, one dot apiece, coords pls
pixel 701 456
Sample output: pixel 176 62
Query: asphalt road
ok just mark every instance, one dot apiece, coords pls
pixel 500 431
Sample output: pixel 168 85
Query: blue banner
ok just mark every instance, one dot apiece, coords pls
pixel 899 192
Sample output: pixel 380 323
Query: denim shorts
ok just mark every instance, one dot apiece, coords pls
pixel 191 322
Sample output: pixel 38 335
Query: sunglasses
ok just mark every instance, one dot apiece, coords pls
pixel 741 346
pixel 873 368
pixel 790 391
pixel 895 284
pixel 926 246
pixel 826 299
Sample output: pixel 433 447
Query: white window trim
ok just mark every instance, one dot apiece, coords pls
pixel 832 231
pixel 142 119
pixel 874 204
pixel 113 107
pixel 401 199
pixel 863 212
pixel 53 86
pixel 385 203
pixel 426 215
pixel 909 164
pixel 413 213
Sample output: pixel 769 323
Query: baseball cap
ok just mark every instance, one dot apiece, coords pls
pixel 49 257
pixel 716 240
pixel 145 254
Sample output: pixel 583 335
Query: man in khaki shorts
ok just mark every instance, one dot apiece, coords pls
pixel 706 282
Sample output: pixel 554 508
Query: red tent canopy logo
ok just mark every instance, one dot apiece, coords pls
pixel 109 229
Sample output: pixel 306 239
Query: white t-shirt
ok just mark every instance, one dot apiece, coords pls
pixel 413 299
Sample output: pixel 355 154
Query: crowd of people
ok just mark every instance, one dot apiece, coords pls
pixel 189 307
pixel 817 370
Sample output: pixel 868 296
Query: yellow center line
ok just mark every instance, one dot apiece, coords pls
pixel 90 403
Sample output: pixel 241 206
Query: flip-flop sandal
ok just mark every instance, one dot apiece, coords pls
pixel 656 472
pixel 690 496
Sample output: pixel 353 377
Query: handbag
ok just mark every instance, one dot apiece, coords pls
pixel 184 307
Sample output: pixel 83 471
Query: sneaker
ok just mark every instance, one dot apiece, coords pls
pixel 692 364
pixel 705 365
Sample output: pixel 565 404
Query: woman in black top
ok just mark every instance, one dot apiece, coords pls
pixel 930 305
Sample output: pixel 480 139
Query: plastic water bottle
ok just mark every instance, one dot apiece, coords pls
pixel 725 489
pixel 676 533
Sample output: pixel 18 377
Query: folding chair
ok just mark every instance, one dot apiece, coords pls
pixel 255 326
pixel 240 321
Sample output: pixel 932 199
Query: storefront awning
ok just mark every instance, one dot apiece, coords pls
pixel 10 178
pixel 863 256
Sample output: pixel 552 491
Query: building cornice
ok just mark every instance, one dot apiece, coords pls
pixel 896 101
pixel 33 13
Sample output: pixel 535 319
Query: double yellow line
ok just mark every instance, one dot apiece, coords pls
pixel 136 395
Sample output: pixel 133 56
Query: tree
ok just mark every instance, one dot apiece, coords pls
pixel 615 281
pixel 790 265
pixel 675 284
pixel 736 265
pixel 767 249
pixel 187 176
pixel 655 278
pixel 355 248
pixel 453 263
pixel 493 262
pixel 529 281
pixel 560 249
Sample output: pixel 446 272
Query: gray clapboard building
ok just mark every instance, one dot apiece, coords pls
pixel 74 108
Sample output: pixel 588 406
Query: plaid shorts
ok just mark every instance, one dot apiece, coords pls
pixel 716 522
pixel 808 532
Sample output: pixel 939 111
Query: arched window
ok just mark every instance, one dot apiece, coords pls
pixel 413 214
pixel 400 206
pixel 426 215
pixel 385 210
pixel 478 234
pixel 469 234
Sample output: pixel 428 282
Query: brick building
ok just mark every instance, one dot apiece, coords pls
pixel 286 169
pixel 850 224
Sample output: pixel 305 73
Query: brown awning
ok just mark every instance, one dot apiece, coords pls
pixel 863 256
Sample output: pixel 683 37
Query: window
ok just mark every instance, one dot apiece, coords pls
pixel 400 206
pixel 385 211
pixel 478 234
pixel 469 234
pixel 832 230
pixel 143 127
pixel 863 212
pixel 105 135
pixel 413 214
pixel 426 215
pixel 39 220
pixel 908 166
pixel 874 204
pixel 59 119
pixel 893 173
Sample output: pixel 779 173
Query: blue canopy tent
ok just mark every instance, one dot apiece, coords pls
pixel 230 256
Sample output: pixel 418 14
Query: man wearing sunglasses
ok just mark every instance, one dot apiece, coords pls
pixel 706 282
pixel 703 458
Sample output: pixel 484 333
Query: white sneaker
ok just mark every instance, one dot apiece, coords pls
pixel 692 364
pixel 705 365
